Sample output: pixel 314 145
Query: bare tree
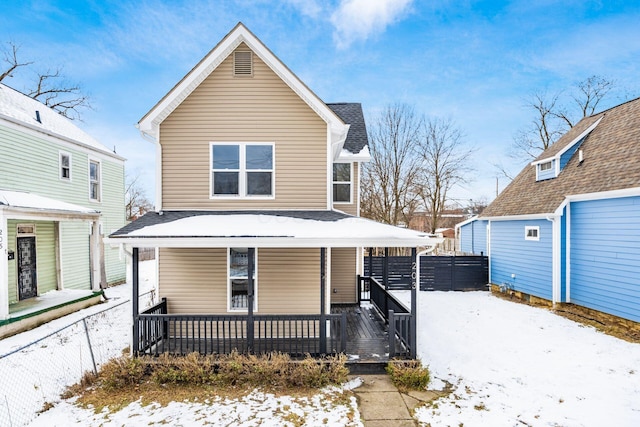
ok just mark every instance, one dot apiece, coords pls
pixel 444 164
pixel 389 179
pixel 136 201
pixel 49 87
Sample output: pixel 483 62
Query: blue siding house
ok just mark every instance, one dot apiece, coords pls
pixel 567 228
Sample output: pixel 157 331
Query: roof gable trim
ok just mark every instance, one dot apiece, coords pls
pixel 150 123
pixel 577 139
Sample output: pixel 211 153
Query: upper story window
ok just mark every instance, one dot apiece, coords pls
pixel 242 170
pixel 532 233
pixel 65 166
pixel 342 182
pixel 546 166
pixel 95 180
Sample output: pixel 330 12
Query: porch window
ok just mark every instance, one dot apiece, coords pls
pixel 342 182
pixel 239 279
pixel 94 180
pixel 65 166
pixel 242 170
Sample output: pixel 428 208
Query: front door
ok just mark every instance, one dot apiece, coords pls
pixel 27 277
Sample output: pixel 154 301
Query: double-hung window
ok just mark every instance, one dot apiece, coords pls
pixel 65 166
pixel 94 180
pixel 242 170
pixel 238 291
pixel 342 182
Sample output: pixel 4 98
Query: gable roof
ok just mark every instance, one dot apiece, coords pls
pixel 20 109
pixel 356 144
pixel 611 153
pixel 150 123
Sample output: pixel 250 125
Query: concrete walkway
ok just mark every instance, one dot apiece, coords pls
pixel 382 405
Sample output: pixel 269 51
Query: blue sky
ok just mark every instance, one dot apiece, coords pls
pixel 476 62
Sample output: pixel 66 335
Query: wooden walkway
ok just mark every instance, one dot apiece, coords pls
pixel 367 336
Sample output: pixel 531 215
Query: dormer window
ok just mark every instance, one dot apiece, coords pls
pixel 546 169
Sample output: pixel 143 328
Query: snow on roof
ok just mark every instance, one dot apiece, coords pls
pixel 24 200
pixel 267 229
pixel 19 108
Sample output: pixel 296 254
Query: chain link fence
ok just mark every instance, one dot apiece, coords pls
pixel 34 376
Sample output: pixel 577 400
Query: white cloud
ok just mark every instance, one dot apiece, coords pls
pixel 359 19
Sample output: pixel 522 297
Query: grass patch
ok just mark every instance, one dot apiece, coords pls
pixel 408 375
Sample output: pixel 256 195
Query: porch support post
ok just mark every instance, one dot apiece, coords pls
pixel 370 261
pixel 385 269
pixel 4 268
pixel 323 323
pixel 135 289
pixel 250 295
pixel 94 255
pixel 415 283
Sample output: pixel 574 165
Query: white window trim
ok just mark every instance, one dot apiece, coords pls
pixel 343 182
pixel 100 179
pixel 242 181
pixel 60 154
pixel 255 285
pixel 531 227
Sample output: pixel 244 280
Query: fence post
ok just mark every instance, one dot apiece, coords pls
pixel 93 359
pixel 343 332
pixel 392 335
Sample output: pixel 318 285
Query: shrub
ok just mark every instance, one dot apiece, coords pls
pixel 408 375
pixel 121 372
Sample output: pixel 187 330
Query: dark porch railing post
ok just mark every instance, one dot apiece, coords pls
pixel 323 323
pixel 413 336
pixel 250 294
pixel 392 335
pixel 134 302
pixel 343 332
pixel 385 278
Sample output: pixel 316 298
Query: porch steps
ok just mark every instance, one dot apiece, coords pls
pixel 366 367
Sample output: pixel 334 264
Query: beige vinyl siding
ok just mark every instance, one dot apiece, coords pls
pixel 194 281
pixel 45 257
pixel 261 108
pixel 343 276
pixel 351 208
pixel 289 281
pixel 74 255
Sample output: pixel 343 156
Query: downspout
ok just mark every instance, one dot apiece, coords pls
pixel 555 259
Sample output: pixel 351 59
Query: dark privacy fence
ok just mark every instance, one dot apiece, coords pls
pixel 437 273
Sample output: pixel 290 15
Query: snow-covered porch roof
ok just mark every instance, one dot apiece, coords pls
pixel 283 229
pixel 24 205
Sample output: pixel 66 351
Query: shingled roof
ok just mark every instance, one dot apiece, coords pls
pixel 611 155
pixel 351 114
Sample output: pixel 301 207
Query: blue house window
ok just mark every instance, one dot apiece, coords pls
pixel 532 233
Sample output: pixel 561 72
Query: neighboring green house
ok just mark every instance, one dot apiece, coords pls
pixel 60 191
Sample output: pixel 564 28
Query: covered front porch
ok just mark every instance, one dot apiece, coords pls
pixel 358 330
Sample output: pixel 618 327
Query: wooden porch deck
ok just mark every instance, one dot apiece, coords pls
pixel 367 333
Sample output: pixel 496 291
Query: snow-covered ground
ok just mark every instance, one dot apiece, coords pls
pixel 509 365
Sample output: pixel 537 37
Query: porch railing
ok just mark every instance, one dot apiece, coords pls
pixel 295 334
pixel 398 318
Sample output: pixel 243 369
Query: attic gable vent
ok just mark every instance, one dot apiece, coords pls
pixel 243 63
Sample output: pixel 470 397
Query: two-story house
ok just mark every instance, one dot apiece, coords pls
pixel 60 190
pixel 257 209
pixel 567 228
